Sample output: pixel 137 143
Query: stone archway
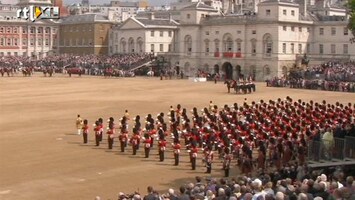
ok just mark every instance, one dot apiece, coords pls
pixel 216 69
pixel 284 71
pixel 238 71
pixel 228 70
pixel 252 72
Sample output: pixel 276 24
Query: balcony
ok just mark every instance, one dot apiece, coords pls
pixel 228 54
pixel 216 54
pixel 238 54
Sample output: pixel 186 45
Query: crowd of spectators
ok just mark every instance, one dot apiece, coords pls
pixel 332 184
pixel 121 61
pixel 331 76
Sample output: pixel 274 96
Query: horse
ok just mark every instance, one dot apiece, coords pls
pixel 150 73
pixel 26 71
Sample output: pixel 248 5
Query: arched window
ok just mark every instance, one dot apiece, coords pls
pixel 267 45
pixel 207 46
pixel 216 45
pixel 140 44
pixel 267 71
pixel 228 43
pixel 131 44
pixel 188 44
pixel 253 46
pixel 123 45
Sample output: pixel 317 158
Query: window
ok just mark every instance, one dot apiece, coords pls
pixel 308 29
pixel 268 12
pixel 161 33
pixel 332 49
pixel 24 29
pixel 321 50
pixel 1 30
pixel 299 48
pixel 308 48
pixel 321 31
pixel 284 12
pixel 47 30
pixel 32 41
pixel 207 33
pixel 345 48
pixel 292 48
pixel 239 47
pixel 299 29
pixel 217 32
pixel 32 30
pixel 15 30
pixel 188 16
pixel 283 47
pixel 8 30
pixel 169 48
pixel 152 33
pixel 39 30
pixel 253 47
pixel 346 31
pixel 169 33
pixel 284 28
pixel 15 41
pixel 239 32
pixel 292 28
pixel 333 31
pixel 24 42
pixel 292 12
pixel 152 48
pixel 161 47
pixel 2 41
pixel 253 32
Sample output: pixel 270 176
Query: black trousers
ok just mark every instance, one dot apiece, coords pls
pixel 193 163
pixel 123 145
pixel 176 158
pixel 226 172
pixel 161 155
pixel 134 148
pixel 100 137
pixel 85 137
pixel 209 167
pixel 97 139
pixel 146 152
pixel 110 142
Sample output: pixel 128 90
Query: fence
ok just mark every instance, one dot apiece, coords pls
pixel 338 149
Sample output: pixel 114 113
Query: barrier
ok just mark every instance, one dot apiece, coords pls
pixel 338 149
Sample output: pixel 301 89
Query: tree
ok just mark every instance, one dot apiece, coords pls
pixel 351 25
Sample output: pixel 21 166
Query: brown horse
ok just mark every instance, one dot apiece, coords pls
pixel 26 71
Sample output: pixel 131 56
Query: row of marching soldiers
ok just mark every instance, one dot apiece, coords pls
pixel 179 127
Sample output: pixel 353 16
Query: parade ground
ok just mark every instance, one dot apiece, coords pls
pixel 41 157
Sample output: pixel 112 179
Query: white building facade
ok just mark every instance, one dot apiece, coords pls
pixel 264 45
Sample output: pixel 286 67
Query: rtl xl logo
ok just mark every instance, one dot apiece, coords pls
pixel 38 12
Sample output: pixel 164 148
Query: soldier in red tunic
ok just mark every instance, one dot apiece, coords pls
pixel 162 147
pixel 97 129
pixel 147 141
pixel 110 133
pixel 226 162
pixel 209 159
pixel 177 148
pixel 85 131
pixel 135 141
pixel 123 139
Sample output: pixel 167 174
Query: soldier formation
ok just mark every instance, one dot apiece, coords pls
pixel 255 135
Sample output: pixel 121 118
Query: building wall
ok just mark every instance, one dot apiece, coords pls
pixel 84 38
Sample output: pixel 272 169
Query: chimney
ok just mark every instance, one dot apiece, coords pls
pixel 151 16
pixel 303 8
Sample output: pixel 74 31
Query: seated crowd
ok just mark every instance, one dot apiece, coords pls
pixel 331 76
pixel 269 137
pixel 123 61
